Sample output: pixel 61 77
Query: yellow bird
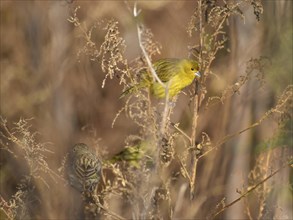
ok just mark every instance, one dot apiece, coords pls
pixel 174 73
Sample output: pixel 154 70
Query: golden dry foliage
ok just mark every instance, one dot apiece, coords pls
pixel 110 53
pixel 26 153
pixel 185 146
pixel 254 71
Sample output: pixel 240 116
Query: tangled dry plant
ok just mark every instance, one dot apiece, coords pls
pixel 158 129
pixel 27 147
pixel 156 188
pixel 110 53
pixel 21 144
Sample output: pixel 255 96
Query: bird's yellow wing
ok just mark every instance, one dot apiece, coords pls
pixel 167 68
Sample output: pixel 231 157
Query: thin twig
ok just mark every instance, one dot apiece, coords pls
pixel 181 131
pixel 250 189
pixel 136 13
pixel 114 215
pixel 166 110
pixel 164 121
pixel 180 199
pixel 146 56
pixel 196 108
pixel 227 138
pixel 193 136
pixel 259 122
pixel 186 174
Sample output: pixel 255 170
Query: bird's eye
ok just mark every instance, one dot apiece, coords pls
pixel 192 69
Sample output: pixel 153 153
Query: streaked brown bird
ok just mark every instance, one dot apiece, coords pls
pixel 84 169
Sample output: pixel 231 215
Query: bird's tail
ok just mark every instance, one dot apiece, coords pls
pixel 133 89
pixel 127 92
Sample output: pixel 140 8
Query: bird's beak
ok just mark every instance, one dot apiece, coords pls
pixel 197 74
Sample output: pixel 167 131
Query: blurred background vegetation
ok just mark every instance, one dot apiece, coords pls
pixel 45 79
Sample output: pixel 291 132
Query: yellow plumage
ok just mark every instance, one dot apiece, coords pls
pixel 174 73
pixel 134 154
